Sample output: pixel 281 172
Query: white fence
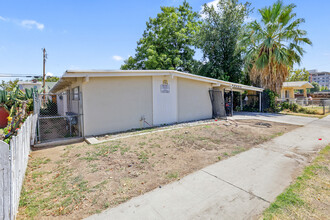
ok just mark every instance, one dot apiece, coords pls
pixel 13 163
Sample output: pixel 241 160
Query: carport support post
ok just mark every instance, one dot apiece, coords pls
pixel 241 101
pixel 260 93
pixel 232 102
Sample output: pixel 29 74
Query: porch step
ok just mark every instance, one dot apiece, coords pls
pixel 92 140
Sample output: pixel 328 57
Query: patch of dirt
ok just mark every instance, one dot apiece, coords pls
pixel 75 181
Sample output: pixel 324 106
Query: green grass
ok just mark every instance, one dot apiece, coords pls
pixel 291 198
pixel 59 195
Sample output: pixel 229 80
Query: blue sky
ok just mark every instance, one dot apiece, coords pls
pixel 99 34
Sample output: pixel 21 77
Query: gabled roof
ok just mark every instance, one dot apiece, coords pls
pixel 69 74
pixel 298 84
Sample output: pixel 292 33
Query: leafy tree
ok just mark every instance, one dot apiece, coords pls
pixel 9 86
pixel 218 39
pixel 299 75
pixel 274 45
pixel 324 88
pixel 316 87
pixel 49 79
pixel 52 79
pixel 167 42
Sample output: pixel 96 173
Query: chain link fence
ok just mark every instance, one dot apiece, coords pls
pixel 326 106
pixel 318 105
pixel 59 116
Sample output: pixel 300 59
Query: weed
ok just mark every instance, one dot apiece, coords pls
pixel 89 157
pixel 38 161
pixel 173 175
pixel 155 145
pixel 98 186
pixel 106 205
pixel 94 168
pixel 237 150
pixel 219 158
pixel 143 156
pixel 38 174
pixel 100 151
pixel 123 150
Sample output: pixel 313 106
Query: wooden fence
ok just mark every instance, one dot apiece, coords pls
pixel 13 163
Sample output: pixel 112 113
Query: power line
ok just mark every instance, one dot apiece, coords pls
pixel 18 75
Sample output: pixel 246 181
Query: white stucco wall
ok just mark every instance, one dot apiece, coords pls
pixel 193 100
pixel 61 104
pixel 164 103
pixel 113 104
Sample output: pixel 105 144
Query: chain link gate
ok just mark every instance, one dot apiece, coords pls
pixel 59 116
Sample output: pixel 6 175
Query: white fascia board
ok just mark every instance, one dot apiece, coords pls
pixel 194 78
pixel 127 73
pixel 76 75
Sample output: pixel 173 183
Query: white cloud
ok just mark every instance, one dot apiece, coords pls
pixel 213 3
pixel 117 58
pixel 29 24
pixel 3 19
pixel 32 24
pixel 49 74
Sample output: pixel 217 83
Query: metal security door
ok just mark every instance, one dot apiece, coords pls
pixel 218 103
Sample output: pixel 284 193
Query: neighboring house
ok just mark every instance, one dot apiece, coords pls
pixel 288 88
pixel 322 78
pixel 22 85
pixel 112 101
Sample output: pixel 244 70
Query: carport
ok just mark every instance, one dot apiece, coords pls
pixel 228 97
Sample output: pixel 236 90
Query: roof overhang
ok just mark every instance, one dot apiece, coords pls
pixel 86 74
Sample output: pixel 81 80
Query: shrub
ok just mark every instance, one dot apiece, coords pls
pixel 270 99
pixel 296 108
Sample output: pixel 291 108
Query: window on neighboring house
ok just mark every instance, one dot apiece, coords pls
pixel 75 93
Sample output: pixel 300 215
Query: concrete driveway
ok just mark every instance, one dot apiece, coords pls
pixel 289 119
pixel 240 187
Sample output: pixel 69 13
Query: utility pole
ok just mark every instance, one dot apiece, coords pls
pixel 44 68
pixel 44 74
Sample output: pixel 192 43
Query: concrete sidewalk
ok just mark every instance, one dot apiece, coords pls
pixel 240 187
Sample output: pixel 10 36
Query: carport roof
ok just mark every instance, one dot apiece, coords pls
pixel 67 77
pixel 298 84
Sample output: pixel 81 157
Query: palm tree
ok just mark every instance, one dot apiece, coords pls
pixel 273 45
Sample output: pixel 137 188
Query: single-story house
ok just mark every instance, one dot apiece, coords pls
pixel 22 85
pixel 288 88
pixel 112 101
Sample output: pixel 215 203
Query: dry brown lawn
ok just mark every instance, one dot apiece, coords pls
pixel 73 182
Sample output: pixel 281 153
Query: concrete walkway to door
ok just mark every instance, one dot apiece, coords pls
pixel 240 187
